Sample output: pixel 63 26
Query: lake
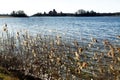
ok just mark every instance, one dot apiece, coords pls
pixel 49 57
pixel 68 27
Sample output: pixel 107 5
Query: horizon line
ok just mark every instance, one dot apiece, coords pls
pixel 56 10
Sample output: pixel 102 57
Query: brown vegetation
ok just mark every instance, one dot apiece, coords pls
pixel 49 57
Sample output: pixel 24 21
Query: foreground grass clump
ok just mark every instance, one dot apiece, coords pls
pixel 53 58
pixel 6 75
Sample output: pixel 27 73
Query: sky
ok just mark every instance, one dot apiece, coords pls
pixel 69 6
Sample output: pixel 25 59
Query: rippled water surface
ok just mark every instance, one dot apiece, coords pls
pixel 70 27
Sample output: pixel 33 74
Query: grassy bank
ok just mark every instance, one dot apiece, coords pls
pixel 50 57
pixel 6 75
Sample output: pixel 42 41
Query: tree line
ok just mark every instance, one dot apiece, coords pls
pixel 78 13
pixel 53 12
pixel 19 13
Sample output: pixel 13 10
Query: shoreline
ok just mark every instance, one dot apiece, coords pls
pixel 5 16
pixel 54 16
pixel 12 17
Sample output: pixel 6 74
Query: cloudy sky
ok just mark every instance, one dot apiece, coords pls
pixel 32 6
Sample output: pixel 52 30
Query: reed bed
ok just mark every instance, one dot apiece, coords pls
pixel 53 58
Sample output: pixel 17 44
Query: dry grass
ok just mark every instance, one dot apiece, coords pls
pixel 50 57
pixel 6 75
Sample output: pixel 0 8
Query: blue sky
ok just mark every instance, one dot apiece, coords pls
pixel 33 6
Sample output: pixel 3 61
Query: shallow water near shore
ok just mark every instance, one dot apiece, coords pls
pixel 81 29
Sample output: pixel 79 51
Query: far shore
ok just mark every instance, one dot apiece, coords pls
pixel 54 16
pixel 6 17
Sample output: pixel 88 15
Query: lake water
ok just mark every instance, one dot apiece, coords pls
pixel 68 27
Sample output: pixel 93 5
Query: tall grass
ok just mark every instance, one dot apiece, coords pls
pixel 52 58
